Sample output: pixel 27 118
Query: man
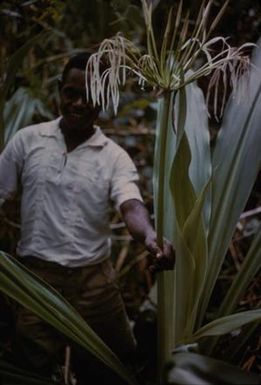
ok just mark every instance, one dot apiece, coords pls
pixel 69 172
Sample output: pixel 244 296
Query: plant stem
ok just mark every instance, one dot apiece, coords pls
pixel 164 342
pixel 161 171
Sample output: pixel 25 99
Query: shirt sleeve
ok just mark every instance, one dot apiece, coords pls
pixel 11 160
pixel 124 181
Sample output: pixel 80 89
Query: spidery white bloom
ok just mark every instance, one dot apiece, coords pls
pixel 169 67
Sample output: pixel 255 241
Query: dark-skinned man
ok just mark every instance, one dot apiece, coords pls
pixel 70 172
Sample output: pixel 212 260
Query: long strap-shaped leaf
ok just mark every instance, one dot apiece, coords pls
pixel 191 242
pixel 248 269
pixel 191 237
pixel 197 130
pixel 25 287
pixel 236 161
pixel 238 343
pixel 190 117
pixel 228 324
pixel 191 368
pixel 19 110
pixel 11 70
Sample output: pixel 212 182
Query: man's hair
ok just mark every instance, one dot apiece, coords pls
pixel 78 61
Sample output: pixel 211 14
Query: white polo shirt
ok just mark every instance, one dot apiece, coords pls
pixel 66 196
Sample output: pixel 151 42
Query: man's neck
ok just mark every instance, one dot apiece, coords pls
pixel 74 138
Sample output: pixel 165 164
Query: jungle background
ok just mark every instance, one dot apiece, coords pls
pixel 33 97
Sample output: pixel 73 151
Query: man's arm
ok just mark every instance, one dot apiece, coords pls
pixel 11 160
pixel 137 219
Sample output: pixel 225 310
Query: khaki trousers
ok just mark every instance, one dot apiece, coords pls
pixel 93 292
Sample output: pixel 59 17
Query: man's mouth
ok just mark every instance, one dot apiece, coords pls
pixel 76 114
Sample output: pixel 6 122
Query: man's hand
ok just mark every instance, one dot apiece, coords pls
pixel 163 259
pixel 137 219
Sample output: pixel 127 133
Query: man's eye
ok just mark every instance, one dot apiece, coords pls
pixel 71 93
pixel 74 94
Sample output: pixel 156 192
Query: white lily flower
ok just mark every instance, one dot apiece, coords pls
pixel 168 68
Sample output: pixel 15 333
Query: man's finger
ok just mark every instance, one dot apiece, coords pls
pixel 154 249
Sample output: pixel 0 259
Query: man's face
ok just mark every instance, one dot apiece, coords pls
pixel 78 114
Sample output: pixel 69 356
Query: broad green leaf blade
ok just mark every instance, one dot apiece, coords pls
pixel 19 111
pixel 14 63
pixel 191 244
pixel 249 267
pixel 181 187
pixel 196 239
pixel 17 58
pixel 242 339
pixel 30 291
pixel 196 127
pixel 184 282
pixel 184 198
pixel 236 161
pixel 191 368
pixel 227 324
pixel 164 149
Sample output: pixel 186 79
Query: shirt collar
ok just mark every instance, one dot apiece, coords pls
pixel 50 128
pixel 98 139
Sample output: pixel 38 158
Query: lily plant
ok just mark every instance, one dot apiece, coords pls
pixel 194 195
pixel 198 197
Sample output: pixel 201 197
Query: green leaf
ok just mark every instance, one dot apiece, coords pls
pixel 196 240
pixel 16 60
pixel 191 244
pixel 242 339
pixel 30 291
pixel 190 368
pixel 14 64
pixel 227 324
pixel 236 161
pixel 249 267
pixel 197 131
pixel 181 187
pixel 184 281
pixel 196 126
pixel 191 249
pixel 191 117
pixel 19 111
